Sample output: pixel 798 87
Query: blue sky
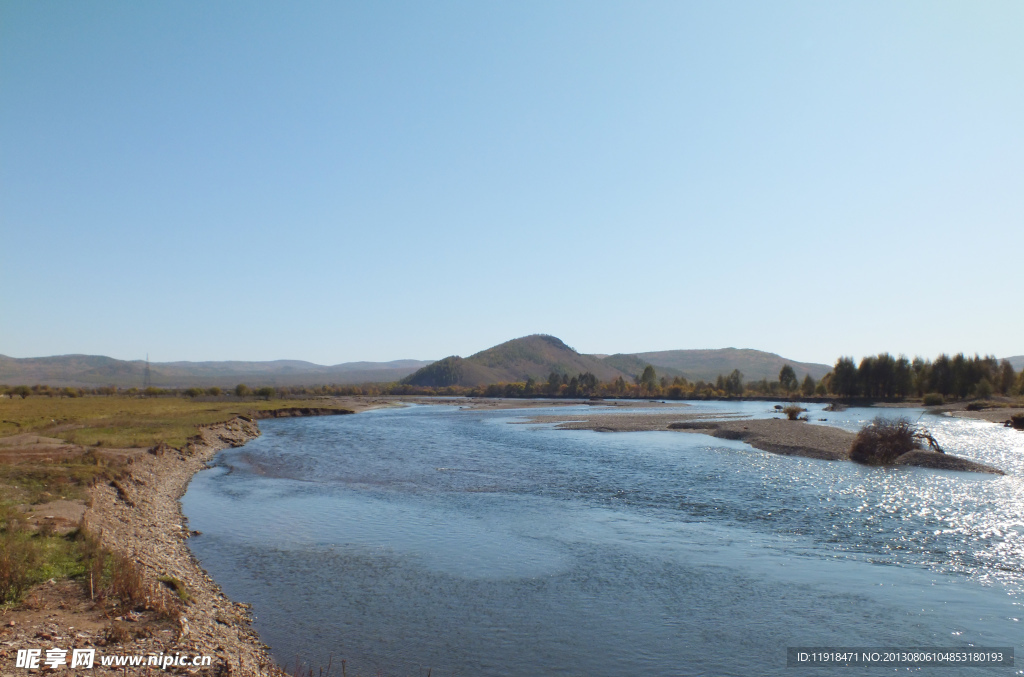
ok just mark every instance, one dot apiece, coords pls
pixel 371 181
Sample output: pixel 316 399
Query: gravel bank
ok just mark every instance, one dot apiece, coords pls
pixel 140 516
pixel 779 436
pixel 143 519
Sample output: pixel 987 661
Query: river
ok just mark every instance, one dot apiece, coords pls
pixel 432 537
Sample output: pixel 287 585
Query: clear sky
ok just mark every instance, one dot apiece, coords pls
pixel 379 180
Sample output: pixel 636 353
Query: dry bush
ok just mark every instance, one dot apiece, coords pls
pixel 163 606
pixel 118 579
pixel 884 440
pixel 126 581
pixel 94 560
pixel 793 412
pixel 18 560
pixel 18 554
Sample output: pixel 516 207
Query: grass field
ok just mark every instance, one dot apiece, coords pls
pixel 123 421
pixel 30 554
pixel 98 424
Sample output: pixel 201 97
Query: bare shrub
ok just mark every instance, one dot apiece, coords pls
pixel 793 412
pixel 126 581
pixel 884 440
pixel 164 607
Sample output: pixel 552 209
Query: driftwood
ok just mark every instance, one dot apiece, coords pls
pixel 923 434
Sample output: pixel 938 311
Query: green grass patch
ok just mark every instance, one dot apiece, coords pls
pixel 28 558
pixel 177 586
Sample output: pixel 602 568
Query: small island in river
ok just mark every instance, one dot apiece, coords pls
pixel 779 436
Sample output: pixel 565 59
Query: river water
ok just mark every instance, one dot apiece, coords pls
pixel 430 537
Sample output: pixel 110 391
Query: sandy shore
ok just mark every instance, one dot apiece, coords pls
pixel 779 436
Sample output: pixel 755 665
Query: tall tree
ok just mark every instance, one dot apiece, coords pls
pixel 941 380
pixel 734 383
pixel 787 378
pixel 844 380
pixel 649 379
pixel 904 377
pixel 554 381
pixel 1004 382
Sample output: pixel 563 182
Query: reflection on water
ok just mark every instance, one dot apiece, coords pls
pixel 402 539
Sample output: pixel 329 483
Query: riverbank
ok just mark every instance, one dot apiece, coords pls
pixel 138 517
pixel 778 436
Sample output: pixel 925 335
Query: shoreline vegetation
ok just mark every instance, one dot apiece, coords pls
pixel 94 548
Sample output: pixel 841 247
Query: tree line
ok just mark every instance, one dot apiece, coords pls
pixel 877 377
pixel 885 377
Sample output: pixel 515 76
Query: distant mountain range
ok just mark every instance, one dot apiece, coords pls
pixel 94 370
pixel 517 360
pixel 538 355
pixel 708 364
